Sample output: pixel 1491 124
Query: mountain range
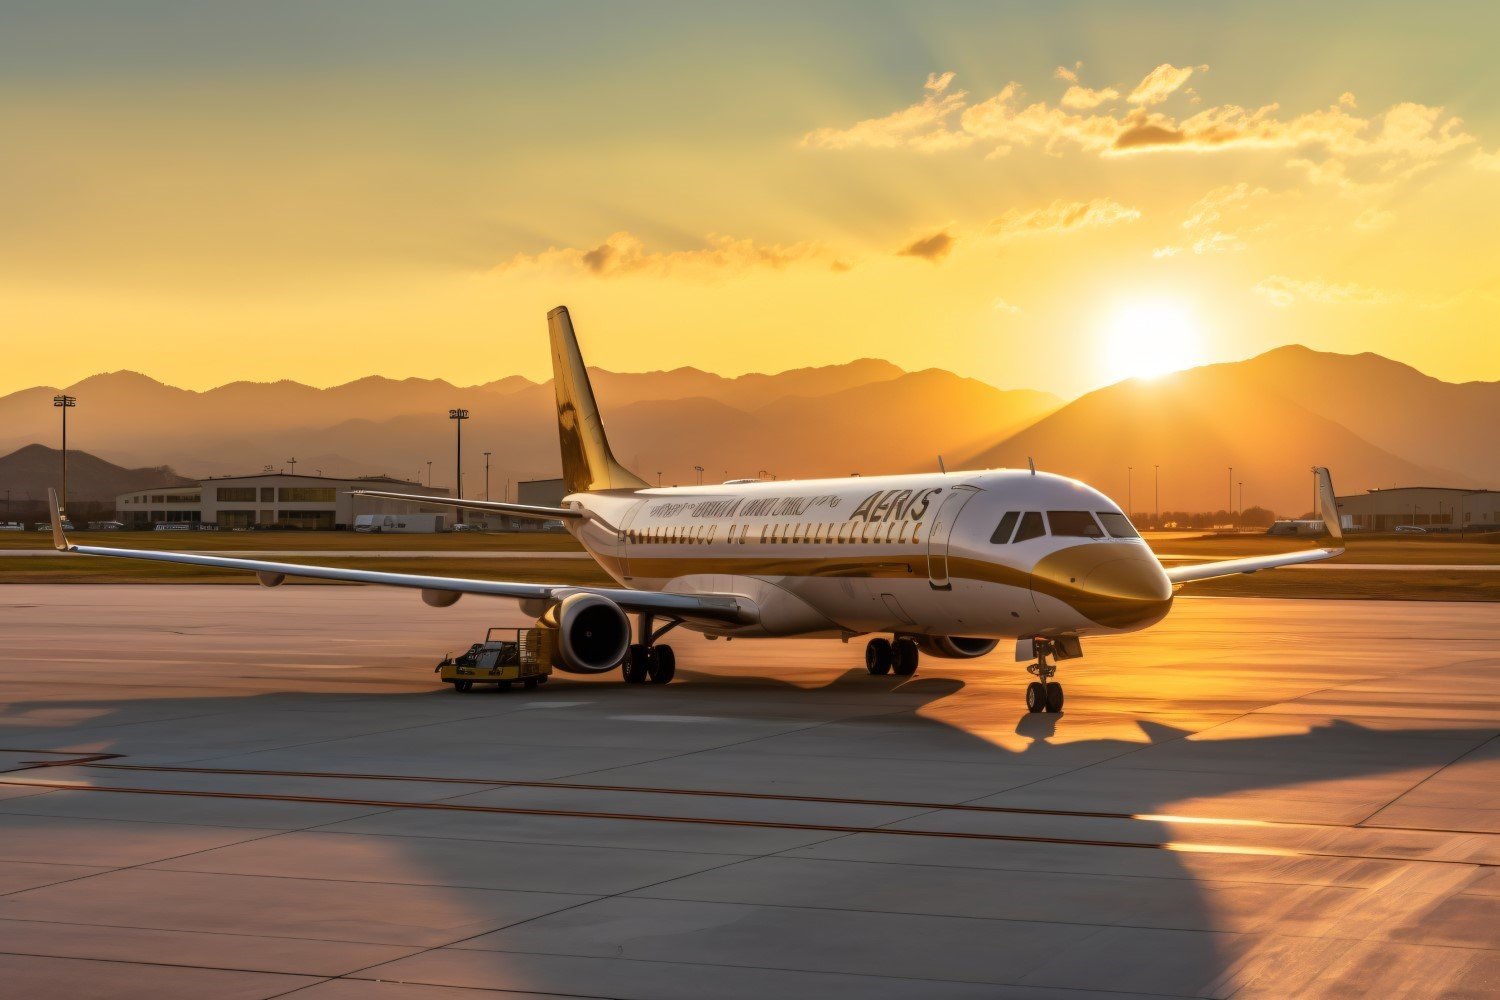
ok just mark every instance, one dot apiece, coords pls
pixel 1375 422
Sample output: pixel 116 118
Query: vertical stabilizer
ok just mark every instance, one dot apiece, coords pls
pixel 587 461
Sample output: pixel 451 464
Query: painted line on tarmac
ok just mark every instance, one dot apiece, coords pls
pixel 98 764
pixel 887 831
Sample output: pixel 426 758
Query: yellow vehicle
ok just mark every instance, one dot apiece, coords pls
pixel 505 657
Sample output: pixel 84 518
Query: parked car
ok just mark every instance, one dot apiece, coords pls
pixel 12 526
pixel 47 526
pixel 173 526
pixel 1410 529
pixel 105 525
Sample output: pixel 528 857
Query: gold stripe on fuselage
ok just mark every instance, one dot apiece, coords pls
pixel 1115 584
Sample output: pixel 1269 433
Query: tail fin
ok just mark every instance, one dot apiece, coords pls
pixel 588 464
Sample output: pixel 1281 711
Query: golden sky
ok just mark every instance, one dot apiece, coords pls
pixel 1049 195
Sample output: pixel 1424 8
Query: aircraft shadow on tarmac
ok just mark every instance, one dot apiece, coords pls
pixel 1156 940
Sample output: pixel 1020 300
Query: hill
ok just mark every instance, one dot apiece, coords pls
pixel 1266 418
pixel 29 471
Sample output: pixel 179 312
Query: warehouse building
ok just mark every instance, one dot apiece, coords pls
pixel 1434 508
pixel 272 499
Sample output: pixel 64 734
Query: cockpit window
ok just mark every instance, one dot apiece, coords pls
pixel 1074 524
pixel 1031 527
pixel 1006 526
pixel 1118 525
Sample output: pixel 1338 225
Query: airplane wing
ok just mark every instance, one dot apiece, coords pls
pixel 1327 508
pixel 514 509
pixel 439 591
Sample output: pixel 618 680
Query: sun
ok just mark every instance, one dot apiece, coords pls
pixel 1148 339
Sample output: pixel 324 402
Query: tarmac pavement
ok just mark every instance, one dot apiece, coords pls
pixel 210 791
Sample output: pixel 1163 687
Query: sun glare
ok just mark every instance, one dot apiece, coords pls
pixel 1150 339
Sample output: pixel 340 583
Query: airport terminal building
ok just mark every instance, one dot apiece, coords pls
pixel 1430 507
pixel 272 499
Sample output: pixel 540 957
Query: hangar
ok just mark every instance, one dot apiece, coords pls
pixel 271 499
pixel 1431 507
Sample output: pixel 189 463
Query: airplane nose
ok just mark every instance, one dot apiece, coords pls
pixel 1118 587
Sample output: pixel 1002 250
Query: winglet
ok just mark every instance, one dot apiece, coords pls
pixel 1328 505
pixel 59 540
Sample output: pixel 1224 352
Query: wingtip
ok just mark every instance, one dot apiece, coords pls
pixel 59 538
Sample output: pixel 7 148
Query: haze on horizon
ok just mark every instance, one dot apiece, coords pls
pixel 1052 197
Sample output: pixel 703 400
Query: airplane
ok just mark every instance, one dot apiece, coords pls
pixel 949 564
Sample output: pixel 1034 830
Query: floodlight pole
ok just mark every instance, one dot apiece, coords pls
pixel 1156 474
pixel 486 477
pixel 458 416
pixel 65 403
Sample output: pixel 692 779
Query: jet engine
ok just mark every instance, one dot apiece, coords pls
pixel 955 647
pixel 591 632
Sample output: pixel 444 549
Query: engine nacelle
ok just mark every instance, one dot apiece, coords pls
pixel 955 647
pixel 592 633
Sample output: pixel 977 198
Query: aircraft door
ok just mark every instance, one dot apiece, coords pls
pixel 939 533
pixel 624 534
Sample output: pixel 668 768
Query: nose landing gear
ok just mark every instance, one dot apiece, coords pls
pixel 1043 694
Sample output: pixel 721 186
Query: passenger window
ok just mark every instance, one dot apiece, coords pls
pixel 1118 525
pixel 1074 524
pixel 1031 527
pixel 1005 528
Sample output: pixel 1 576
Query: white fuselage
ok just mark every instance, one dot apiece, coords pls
pixel 912 554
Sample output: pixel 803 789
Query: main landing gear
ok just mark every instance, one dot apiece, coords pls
pixel 882 656
pixel 1043 694
pixel 650 660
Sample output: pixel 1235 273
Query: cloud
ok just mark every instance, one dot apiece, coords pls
pixel 1283 292
pixel 1006 307
pixel 922 126
pixel 1063 217
pixel 623 254
pixel 1486 161
pixel 1085 97
pixel 1080 97
pixel 933 248
pixel 1217 222
pixel 1399 142
pixel 1161 83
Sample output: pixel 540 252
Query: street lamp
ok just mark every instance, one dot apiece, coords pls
pixel 1156 474
pixel 699 469
pixel 293 463
pixel 429 472
pixel 1242 496
pixel 458 416
pixel 66 403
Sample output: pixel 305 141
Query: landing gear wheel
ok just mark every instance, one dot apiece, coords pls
pixel 663 666
pixel 463 687
pixel 905 657
pixel 637 663
pixel 530 683
pixel 878 656
pixel 1054 696
pixel 1036 697
pixel 502 686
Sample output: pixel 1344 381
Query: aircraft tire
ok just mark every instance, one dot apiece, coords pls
pixel 1054 697
pixel 463 687
pixel 878 656
pixel 636 664
pixel 905 657
pixel 1036 697
pixel 663 666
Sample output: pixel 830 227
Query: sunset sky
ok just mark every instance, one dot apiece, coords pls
pixel 1049 196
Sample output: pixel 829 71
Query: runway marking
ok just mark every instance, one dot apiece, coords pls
pixel 1176 846
pixel 97 762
